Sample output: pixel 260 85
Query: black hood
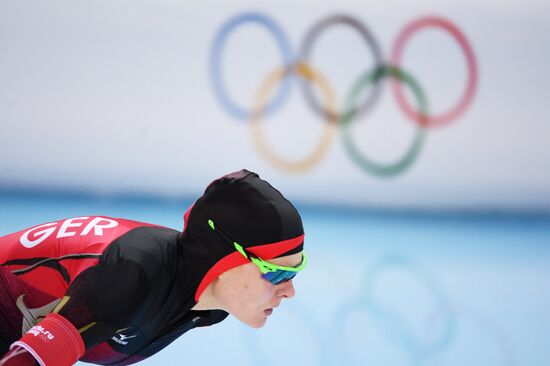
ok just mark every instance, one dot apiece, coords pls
pixel 248 210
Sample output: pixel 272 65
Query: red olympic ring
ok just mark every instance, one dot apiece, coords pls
pixel 468 95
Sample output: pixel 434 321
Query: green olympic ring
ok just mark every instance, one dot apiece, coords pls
pixel 373 77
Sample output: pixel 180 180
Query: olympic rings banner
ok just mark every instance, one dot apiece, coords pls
pixel 398 105
pixel 355 109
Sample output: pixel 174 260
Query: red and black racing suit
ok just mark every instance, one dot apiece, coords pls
pixel 121 283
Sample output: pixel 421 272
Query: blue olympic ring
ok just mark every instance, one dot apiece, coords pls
pixel 394 326
pixel 216 56
pixel 406 338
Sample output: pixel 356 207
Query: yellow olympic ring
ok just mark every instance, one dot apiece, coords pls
pixel 261 101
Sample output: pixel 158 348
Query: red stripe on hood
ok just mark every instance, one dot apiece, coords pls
pixel 186 216
pixel 265 251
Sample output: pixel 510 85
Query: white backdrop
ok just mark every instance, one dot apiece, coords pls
pixel 115 96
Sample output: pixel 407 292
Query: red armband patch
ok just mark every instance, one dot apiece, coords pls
pixel 53 341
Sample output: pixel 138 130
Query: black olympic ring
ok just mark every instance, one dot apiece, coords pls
pixel 301 67
pixel 304 56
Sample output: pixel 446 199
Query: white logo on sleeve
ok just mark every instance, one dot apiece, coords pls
pixel 122 338
pixel 39 330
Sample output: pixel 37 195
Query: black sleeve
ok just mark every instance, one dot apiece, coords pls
pixel 126 288
pixel 105 298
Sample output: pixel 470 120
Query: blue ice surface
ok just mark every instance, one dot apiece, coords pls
pixel 382 287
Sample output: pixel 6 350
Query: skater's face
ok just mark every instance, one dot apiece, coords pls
pixel 244 293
